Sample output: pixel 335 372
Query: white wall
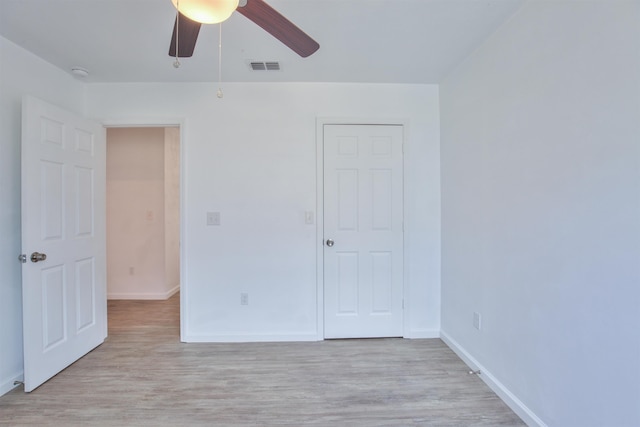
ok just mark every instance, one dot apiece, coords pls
pixel 541 211
pixel 252 157
pixel 20 73
pixel 142 184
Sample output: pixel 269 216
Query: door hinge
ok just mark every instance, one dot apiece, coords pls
pixel 22 258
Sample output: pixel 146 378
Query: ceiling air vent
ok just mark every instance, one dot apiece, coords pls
pixel 264 66
pixel 272 66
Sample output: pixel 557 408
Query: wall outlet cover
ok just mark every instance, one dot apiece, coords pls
pixel 213 218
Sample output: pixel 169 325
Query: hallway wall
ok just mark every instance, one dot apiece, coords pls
pixel 143 260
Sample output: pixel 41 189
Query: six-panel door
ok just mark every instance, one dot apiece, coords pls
pixel 363 218
pixel 63 208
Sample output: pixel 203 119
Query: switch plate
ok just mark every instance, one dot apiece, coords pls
pixel 477 321
pixel 244 298
pixel 308 217
pixel 213 218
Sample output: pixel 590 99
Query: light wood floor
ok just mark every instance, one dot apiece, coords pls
pixel 143 376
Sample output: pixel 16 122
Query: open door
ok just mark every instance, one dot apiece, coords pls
pixel 63 239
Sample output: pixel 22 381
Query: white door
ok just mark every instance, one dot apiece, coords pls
pixel 363 237
pixel 63 206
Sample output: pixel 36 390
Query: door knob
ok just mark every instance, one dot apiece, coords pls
pixel 330 242
pixel 37 256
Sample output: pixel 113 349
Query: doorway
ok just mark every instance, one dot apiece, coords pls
pixel 143 212
pixel 363 238
pixel 64 230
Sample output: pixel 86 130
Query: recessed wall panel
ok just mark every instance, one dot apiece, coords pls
pixel 85 293
pixel 84 202
pixel 347 282
pixel 53 287
pixel 52 200
pixel 382 285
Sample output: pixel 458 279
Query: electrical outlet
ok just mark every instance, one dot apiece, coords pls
pixel 477 321
pixel 213 218
pixel 244 298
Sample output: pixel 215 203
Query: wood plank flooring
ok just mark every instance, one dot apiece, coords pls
pixel 143 376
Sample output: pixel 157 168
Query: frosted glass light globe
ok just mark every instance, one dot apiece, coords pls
pixel 206 11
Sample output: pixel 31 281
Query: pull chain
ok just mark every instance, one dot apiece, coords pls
pixel 219 93
pixel 176 64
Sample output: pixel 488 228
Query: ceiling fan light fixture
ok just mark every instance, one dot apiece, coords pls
pixel 206 11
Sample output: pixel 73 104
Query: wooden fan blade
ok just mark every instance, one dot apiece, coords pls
pixel 187 38
pixel 279 27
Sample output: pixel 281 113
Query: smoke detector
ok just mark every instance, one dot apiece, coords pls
pixel 80 72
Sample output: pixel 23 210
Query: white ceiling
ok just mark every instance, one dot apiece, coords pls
pixel 379 41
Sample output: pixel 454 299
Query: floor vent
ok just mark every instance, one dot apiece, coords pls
pixel 264 66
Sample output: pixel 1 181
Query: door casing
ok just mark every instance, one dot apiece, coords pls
pixel 180 123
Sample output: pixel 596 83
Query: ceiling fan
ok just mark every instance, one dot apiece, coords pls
pixel 259 12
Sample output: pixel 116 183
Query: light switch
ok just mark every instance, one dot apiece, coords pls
pixel 213 218
pixel 308 217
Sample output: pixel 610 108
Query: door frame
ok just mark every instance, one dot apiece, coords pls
pixel 320 123
pixel 181 124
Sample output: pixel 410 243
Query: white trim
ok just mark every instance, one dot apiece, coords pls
pixel 9 384
pixel 406 226
pixel 238 338
pixel 184 288
pixel 141 123
pixel 422 334
pixel 146 296
pixel 512 401
pixel 320 123
pixel 166 122
pixel 320 228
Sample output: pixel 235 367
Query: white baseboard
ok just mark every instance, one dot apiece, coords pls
pixel 498 388
pixel 171 292
pixel 423 333
pixel 145 296
pixel 8 385
pixel 251 338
